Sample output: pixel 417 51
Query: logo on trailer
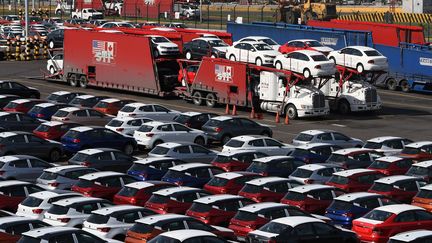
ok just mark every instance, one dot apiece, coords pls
pixel 329 41
pixel 224 73
pixel 104 51
pixel 426 61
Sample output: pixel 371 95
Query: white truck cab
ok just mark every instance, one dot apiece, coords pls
pixel 87 14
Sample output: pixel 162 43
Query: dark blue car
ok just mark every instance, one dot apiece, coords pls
pixel 314 153
pixel 281 166
pixel 191 174
pixel 85 137
pixel 45 110
pixel 344 209
pixel 152 168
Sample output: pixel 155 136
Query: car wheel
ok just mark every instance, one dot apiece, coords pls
pixel 360 68
pixel 51 44
pixel 197 98
pixel 258 62
pixel 54 155
pixel 156 53
pixel 266 134
pixel 306 73
pixel 58 12
pixel 278 65
pixel 391 84
pixel 225 139
pixel 332 59
pixel 188 55
pixel 232 58
pixel 73 81
pixel 199 141
pixel 211 100
pixel 51 70
pixel 405 86
pixel 344 107
pixel 83 82
pixel 291 111
pixel 128 149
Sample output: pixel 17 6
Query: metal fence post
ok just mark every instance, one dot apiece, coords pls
pixel 235 11
pixel 158 13
pixel 208 17
pixel 248 13
pixel 147 17
pixel 221 17
pixel 262 13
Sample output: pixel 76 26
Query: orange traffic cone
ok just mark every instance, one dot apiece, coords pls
pixel 252 114
pixel 234 112
pixel 286 119
pixel 227 109
pixel 277 120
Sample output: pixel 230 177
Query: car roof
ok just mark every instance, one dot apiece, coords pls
pixel 222 118
pixel 348 173
pixel 351 150
pixel 96 151
pixel 136 104
pixel 96 175
pixel 308 188
pixel 427 187
pixel 52 123
pixel 13 183
pixel 424 164
pixel 265 180
pixel 233 175
pixel 20 101
pixel 255 207
pixel 382 139
pixel 315 132
pixel 150 160
pixel 268 159
pixel 49 194
pixel 69 201
pixel 191 113
pixel 309 52
pixel 142 184
pixel 10 134
pixel 419 144
pixel 362 48
pixel 40 232
pixel 188 166
pixel 395 178
pixel 57 169
pixel 110 100
pixel 153 219
pixel 11 219
pixel 8 158
pixel 247 138
pixel 112 209
pixel 398 208
pixel 61 92
pixel 235 152
pixel 390 159
pixel 45 105
pixel 410 236
pixel 81 129
pixel 156 123
pixel 350 197
pixel 175 189
pixel 216 198
pixel 171 144
pixel 184 234
pixel 313 167
pixel 70 109
pixel 293 221
pixel 85 96
pixel 206 39
pixel 313 145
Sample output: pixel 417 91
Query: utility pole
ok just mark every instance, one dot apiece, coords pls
pixel 200 11
pixel 26 18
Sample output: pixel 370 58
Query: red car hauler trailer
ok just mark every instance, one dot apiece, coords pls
pixel 147 8
pixel 117 61
pixel 95 4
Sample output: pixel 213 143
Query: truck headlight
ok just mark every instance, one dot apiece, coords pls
pixel 306 106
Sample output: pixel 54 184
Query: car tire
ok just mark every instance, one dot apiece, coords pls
pixel 211 100
pixel 225 139
pixel 405 86
pixel 266 134
pixel 197 98
pixel 58 12
pixel 332 59
pixel 188 55
pixel 51 44
pixel 278 65
pixel 83 82
pixel 232 58
pixel 128 149
pixel 54 155
pixel 291 111
pixel 51 70
pixel 258 62
pixel 360 68
pixel 344 107
pixel 391 84
pixel 199 141
pixel 73 81
pixel 307 73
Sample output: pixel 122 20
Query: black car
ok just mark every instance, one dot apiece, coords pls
pixel 15 88
pixel 55 38
pixel 201 47
pixel 86 100
pixel 5 99
pixel 223 128
pixel 15 121
pixel 63 97
pixel 104 159
pixel 194 119
pixel 29 144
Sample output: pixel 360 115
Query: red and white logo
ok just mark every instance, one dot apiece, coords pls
pixel 104 51
pixel 224 73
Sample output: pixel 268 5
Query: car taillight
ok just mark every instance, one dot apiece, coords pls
pixel 64 220
pixel 371 61
pixel 53 184
pixel 132 200
pixel 37 211
pixel 149 135
pixel 86 163
pixel 76 140
pixel 348 215
pixel 120 129
pixel 104 229
pixel 132 114
pixel 309 181
pixel 218 129
pixel 40 115
pixel 65 119
pixel 1 173
pixel 318 66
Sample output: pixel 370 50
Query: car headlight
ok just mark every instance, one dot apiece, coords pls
pixel 268 56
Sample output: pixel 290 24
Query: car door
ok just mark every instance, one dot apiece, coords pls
pixel 166 133
pixel 304 233
pixel 112 139
pixel 104 161
pixel 341 140
pixel 37 167
pixel 258 145
pixel 19 89
pixel 97 118
pixel 356 57
pixel 393 146
pixel 26 123
pixel 81 117
pixel 287 61
pixel 182 133
pixel 201 154
pixel 405 221
pixel 275 148
pixel 22 170
pixel 326 233
pixel 121 161
pixel 237 51
pixel 204 48
pixel 38 146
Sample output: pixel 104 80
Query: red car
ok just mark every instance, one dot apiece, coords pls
pixel 230 182
pixel 236 160
pixel 383 222
pixel 418 151
pixel 311 198
pixel 217 209
pixel 137 193
pixel 53 130
pixel 391 165
pixel 401 188
pixel 267 189
pixel 14 192
pixel 111 106
pixel 355 180
pixel 174 199
pixel 187 75
pixel 104 184
pixel 22 105
pixel 306 44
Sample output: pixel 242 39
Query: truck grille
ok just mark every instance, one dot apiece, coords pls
pixel 371 95
pixel 318 101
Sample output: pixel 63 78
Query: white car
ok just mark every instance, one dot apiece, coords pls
pixel 187 235
pixel 252 52
pixel 153 133
pixel 267 40
pixel 262 144
pixel 108 25
pixel 305 44
pixel 126 125
pixel 55 64
pixel 309 63
pixel 152 111
pixel 116 219
pixel 361 58
pixel 387 145
pixel 163 46
pixel 314 173
pixel 36 204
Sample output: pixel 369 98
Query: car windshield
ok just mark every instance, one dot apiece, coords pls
pixel 221 159
pixel 408 150
pixel 102 104
pixel 379 165
pixel 337 158
pixel 218 182
pixel 127 191
pixel 61 113
pixel 160 39
pixel 372 145
pixel 378 215
pixel 28 239
pixel 303 137
pixel 251 189
pixel 76 101
pixel 300 152
pixel 274 228
pixel 71 134
pixel 340 205
pixel 115 123
pixel 158 199
pixel 53 97
pixel 43 128
pixel 294 196
pixel 418 171
pixel 424 194
pixel 145 128
pixel 217 43
pixel 302 173
pixel 245 216
pixel 80 157
pixel 313 43
pixel 319 58
pixel 58 210
pixel 98 219
pixel 11 105
pixel 339 180
pixel 213 123
pixel 262 47
pixel 142 228
pixel 258 167
pixel 32 201
pixel 381 187
pixel 48 176
pixel 200 207
pixel 127 25
pixel 159 150
pixel 234 143
pixel 372 53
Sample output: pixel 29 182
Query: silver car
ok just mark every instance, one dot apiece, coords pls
pixel 22 167
pixel 326 136
pixel 314 173
pixel 188 152
pixel 62 177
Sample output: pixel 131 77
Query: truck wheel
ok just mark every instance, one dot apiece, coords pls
pixel 258 62
pixel 391 84
pixel 360 68
pixel 51 44
pixel 291 17
pixel 83 82
pixel 188 55
pixel 211 100
pixel 306 73
pixel 405 86
pixel 344 107
pixel 197 98
pixel 73 81
pixel 278 65
pixel 58 12
pixel 232 58
pixel 291 111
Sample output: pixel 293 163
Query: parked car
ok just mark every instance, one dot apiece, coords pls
pixel 417 151
pixel 326 136
pixel 103 184
pixel 229 182
pixel 422 170
pixel 152 168
pixel 16 121
pixel 63 97
pixel 103 159
pixel 383 222
pixel 314 173
pixel 6 98
pixel 387 145
pixel 313 153
pixel 24 167
pixel 191 174
pixel 113 222
pixel 126 125
pixel 118 24
pixel 194 120
pixel 84 116
pixel 187 75
pixel 354 180
pixel 29 144
pixel 153 133
pixel 223 128
pixel 236 160
pixel 391 165
pixel 21 105
pixel 59 234
pixel 424 198
pixel 79 138
pixel 347 207
pixel 62 177
pixel 152 111
pixel 400 188
pixel 187 235
pixel 53 130
pixel 308 227
pixel 304 44
pixel 36 204
pixel 111 106
pixel 86 101
pixel 263 39
pixel 55 38
pixel 13 192
pixel 55 64
pixel 360 58
pixel 162 46
pixel 137 193
pixel 257 53
pixel 45 110
pixel 256 143
pixel 267 189
pixel 187 152
pixel 353 158
pixel 12 227
pixel 15 88
pixel 201 47
pixel 174 199
pixel 412 236
pixel 274 166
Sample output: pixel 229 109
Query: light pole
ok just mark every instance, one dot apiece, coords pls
pixel 200 11
pixel 26 18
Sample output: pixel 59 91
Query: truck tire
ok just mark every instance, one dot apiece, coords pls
pixel 278 65
pixel 405 87
pixel 73 80
pixel 51 70
pixel 211 100
pixel 360 68
pixel 391 84
pixel 344 107
pixel 306 73
pixel 58 12
pixel 83 82
pixel 258 62
pixel 232 58
pixel 188 55
pixel 291 111
pixel 197 98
